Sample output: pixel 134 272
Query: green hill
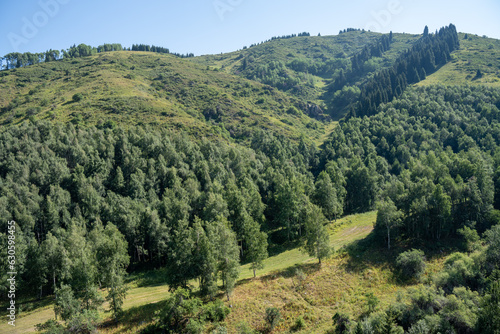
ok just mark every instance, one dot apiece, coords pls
pixel 476 53
pixel 147 88
pixel 304 65
pixel 284 85
pixel 182 178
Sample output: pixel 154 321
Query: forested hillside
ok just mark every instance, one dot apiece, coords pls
pixel 125 162
pixel 305 65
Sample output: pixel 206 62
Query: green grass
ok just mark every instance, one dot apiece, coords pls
pixel 339 285
pixel 475 53
pixel 342 232
pixel 131 88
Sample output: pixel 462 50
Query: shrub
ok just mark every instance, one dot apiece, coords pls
pixel 77 97
pixel 411 264
pixel 33 111
pixel 220 330
pixel 371 302
pixel 341 322
pixel 293 111
pixel 299 323
pixel 273 316
pixel 194 326
pixel 216 311
pixel 50 326
pixel 459 270
pixel 85 322
pixel 244 328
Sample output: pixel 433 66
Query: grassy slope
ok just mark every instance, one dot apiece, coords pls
pixel 337 48
pixel 340 284
pixel 476 53
pixel 148 88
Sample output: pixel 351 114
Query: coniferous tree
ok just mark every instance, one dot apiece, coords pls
pixel 426 31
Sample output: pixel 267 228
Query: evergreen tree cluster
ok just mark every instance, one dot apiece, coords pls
pixel 149 48
pixel 302 34
pixel 17 59
pixel 429 156
pixel 196 208
pixel 348 77
pixel 109 47
pixel 424 58
pixel 348 30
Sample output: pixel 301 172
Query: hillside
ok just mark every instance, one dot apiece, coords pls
pixel 304 65
pixel 156 194
pixel 147 88
pixel 476 53
pixel 343 280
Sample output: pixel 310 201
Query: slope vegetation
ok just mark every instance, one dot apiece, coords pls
pixel 304 65
pixel 147 88
pixel 475 54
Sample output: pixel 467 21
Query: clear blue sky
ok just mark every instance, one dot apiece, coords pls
pixel 214 26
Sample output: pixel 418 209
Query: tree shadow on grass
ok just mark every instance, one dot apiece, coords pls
pixel 28 305
pixel 149 278
pixel 133 317
pixel 290 272
pixel 371 252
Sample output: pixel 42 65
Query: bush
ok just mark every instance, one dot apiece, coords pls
pixel 459 270
pixel 342 322
pixel 77 97
pixel 220 330
pixel 50 326
pixel 299 323
pixel 244 328
pixel 194 326
pixel 216 311
pixel 84 322
pixel 371 302
pixel 293 111
pixel 411 264
pixel 273 316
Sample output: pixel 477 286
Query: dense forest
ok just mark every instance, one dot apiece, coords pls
pixel 89 205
